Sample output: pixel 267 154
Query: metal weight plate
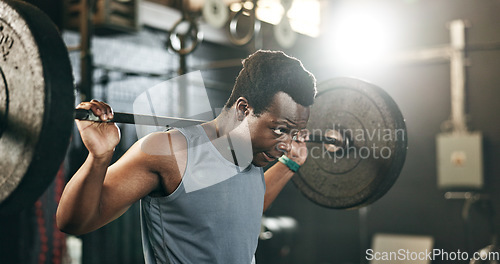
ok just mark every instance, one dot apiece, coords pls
pixel 36 104
pixel 242 28
pixel 192 35
pixel 364 171
pixel 216 13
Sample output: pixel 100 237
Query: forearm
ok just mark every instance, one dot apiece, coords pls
pixel 79 207
pixel 276 178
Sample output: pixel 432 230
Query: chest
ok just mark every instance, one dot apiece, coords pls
pixel 235 203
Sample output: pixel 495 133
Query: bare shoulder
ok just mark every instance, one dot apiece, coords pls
pixel 154 153
pixel 166 154
pixel 163 143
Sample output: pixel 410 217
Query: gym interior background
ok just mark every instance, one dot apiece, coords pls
pixel 126 60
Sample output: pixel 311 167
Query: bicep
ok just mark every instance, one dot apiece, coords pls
pixel 127 180
pixel 137 172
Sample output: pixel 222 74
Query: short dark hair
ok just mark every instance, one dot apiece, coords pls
pixel 266 73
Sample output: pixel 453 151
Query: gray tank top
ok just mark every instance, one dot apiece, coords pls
pixel 213 216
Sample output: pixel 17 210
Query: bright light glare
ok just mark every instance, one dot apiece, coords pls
pixel 269 11
pixel 361 37
pixel 304 15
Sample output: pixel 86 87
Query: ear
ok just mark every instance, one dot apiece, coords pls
pixel 243 109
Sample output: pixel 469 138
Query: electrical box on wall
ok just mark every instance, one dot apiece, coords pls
pixel 459 161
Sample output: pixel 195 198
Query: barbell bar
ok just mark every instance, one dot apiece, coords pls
pixel 171 122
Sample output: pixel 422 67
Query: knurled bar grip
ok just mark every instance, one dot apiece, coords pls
pixel 88 115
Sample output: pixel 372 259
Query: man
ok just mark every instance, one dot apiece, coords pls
pixel 202 188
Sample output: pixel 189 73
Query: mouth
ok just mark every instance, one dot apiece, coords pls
pixel 269 157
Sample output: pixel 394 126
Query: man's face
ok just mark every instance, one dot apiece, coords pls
pixel 271 132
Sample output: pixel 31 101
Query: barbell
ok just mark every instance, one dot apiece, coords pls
pixel 336 139
pixel 356 158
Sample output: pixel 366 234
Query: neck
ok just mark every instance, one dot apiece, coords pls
pixel 221 126
pixel 225 122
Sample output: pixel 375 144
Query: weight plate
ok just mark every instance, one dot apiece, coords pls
pixel 36 100
pixel 284 34
pixel 242 28
pixel 366 170
pixel 192 37
pixel 215 13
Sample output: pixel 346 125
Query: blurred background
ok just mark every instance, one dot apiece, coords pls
pixel 120 48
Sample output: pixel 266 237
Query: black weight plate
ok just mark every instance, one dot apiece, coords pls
pixel 367 169
pixel 36 100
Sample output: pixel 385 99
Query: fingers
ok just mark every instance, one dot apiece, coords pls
pixel 298 151
pixel 302 135
pixel 100 109
pixel 295 150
